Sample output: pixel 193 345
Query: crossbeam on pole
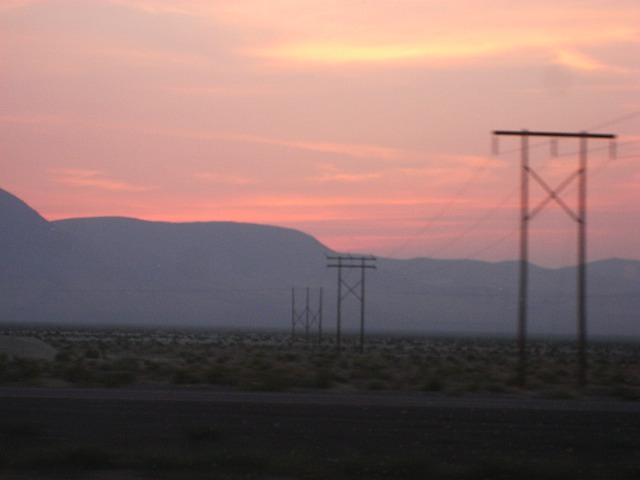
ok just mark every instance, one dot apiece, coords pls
pixel 530 133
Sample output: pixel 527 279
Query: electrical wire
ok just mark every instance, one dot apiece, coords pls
pixel 473 178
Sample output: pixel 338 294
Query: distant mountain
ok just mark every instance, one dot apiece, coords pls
pixel 123 271
pixel 27 241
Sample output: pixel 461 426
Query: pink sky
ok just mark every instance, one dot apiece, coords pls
pixel 365 124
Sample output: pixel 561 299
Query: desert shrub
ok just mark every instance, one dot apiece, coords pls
pixel 24 370
pixel 185 377
pixel 324 378
pixel 220 375
pixel 78 374
pixel 224 358
pixel 288 357
pixel 549 376
pixel 126 364
pixel 435 382
pixel 619 378
pixel 259 361
pixel 64 356
pixel 192 358
pixel 152 366
pixel 274 379
pixel 495 387
pixel 91 353
pixel 271 362
pixel 625 392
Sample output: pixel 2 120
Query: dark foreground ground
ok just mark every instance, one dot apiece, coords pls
pixel 169 433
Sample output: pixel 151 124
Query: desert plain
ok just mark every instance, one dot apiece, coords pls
pixel 175 403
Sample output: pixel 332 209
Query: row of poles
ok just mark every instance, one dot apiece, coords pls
pixel 308 317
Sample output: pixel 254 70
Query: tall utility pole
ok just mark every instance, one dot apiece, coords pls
pixel 580 217
pixel 349 261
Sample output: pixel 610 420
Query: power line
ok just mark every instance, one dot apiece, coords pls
pixel 473 227
pixel 472 179
pixel 615 121
pixel 444 209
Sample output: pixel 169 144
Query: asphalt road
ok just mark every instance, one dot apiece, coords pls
pixel 456 430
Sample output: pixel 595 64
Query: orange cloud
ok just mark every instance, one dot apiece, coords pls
pixel 579 61
pixel 421 33
pixel 345 52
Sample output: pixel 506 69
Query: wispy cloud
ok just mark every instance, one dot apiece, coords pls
pixel 156 7
pixel 358 150
pixel 140 57
pixel 351 149
pixel 579 61
pixel 330 173
pixel 83 178
pixel 217 91
pixel 227 179
pixel 13 4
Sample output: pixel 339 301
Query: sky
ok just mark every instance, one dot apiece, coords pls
pixel 366 124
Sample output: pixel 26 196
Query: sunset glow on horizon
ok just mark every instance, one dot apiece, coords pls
pixel 364 124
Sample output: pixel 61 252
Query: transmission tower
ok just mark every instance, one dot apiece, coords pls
pixel 306 317
pixel 579 216
pixel 350 261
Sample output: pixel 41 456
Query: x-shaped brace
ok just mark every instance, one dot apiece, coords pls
pixel 554 194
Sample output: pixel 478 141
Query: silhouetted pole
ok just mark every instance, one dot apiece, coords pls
pixel 307 316
pixel 582 264
pixel 581 219
pixel 362 270
pixel 320 317
pixel 524 261
pixel 338 318
pixel 293 314
pixel 306 319
pixel 349 261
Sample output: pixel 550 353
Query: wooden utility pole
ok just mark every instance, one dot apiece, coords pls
pixel 349 261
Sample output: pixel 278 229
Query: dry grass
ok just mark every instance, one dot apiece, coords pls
pixel 271 361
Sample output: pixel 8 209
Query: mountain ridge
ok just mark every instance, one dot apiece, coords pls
pixel 127 271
